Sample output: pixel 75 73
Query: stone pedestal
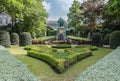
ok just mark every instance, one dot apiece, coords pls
pixel 61 34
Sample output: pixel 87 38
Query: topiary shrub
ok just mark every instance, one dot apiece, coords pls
pixel 14 39
pixel 96 39
pixel 61 46
pixel 106 39
pixel 115 39
pixel 4 38
pixel 25 39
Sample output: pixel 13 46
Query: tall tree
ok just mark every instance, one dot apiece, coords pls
pixel 75 16
pixel 93 13
pixel 112 16
pixel 114 8
pixel 27 15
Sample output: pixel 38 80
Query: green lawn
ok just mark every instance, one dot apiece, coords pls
pixel 44 38
pixel 44 71
pixel 78 38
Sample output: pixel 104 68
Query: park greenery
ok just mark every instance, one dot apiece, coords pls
pixel 92 25
pixel 42 70
pixel 93 16
pixel 59 56
pixel 27 15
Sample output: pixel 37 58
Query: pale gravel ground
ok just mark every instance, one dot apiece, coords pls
pixel 12 69
pixel 107 69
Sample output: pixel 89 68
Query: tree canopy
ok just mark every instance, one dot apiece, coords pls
pixel 75 15
pixel 27 15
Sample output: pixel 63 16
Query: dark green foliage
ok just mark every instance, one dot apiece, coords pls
pixel 14 39
pixel 93 48
pixel 115 39
pixel 58 64
pixel 61 46
pixel 96 39
pixel 51 32
pixel 25 39
pixel 4 38
pixel 58 58
pixel 106 39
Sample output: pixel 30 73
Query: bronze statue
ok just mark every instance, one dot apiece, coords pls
pixel 61 22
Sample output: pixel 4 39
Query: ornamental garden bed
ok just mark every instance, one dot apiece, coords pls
pixel 61 58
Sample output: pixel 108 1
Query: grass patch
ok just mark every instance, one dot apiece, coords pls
pixel 61 58
pixel 78 38
pixel 44 71
pixel 44 38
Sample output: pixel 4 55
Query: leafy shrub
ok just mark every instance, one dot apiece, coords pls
pixel 115 39
pixel 58 58
pixel 25 39
pixel 54 50
pixel 48 58
pixel 14 39
pixel 93 48
pixel 96 39
pixel 61 42
pixel 61 46
pixel 4 38
pixel 106 39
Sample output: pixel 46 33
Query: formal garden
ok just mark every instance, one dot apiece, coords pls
pixel 86 47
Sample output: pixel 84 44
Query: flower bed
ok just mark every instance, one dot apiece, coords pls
pixel 12 69
pixel 107 69
pixel 58 58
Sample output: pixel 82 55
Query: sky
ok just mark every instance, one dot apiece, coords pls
pixel 58 8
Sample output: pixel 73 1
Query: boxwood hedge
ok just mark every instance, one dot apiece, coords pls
pixel 61 46
pixel 115 39
pixel 4 38
pixel 14 39
pixel 58 59
pixel 25 39
pixel 12 69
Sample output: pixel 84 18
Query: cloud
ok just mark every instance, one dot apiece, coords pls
pixel 66 4
pixel 58 8
pixel 47 5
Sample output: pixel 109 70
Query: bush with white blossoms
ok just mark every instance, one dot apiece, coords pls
pixel 12 69
pixel 107 69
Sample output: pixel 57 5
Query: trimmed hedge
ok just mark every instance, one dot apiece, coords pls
pixel 12 69
pixel 49 58
pixel 14 39
pixel 54 58
pixel 25 39
pixel 106 39
pixel 4 38
pixel 96 39
pixel 115 39
pixel 61 46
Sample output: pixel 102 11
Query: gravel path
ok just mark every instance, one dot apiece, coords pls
pixel 107 69
pixel 12 69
